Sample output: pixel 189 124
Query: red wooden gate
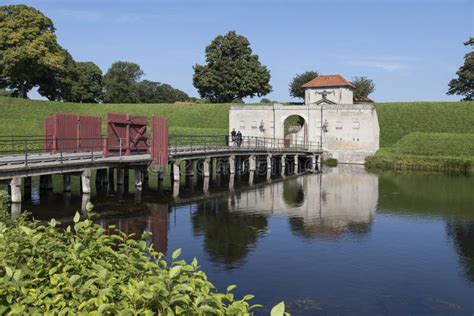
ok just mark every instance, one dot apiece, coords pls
pixel 159 147
pixel 126 134
pixel 72 133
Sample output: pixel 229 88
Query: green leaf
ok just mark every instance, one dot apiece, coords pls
pixel 278 309
pixel 26 230
pixel 176 253
pixel 248 297
pixel 174 271
pixel 73 279
pixel 89 207
pixel 9 271
pixel 77 217
pixel 231 287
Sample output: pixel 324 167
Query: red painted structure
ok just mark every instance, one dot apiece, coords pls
pixel 72 133
pixel 126 134
pixel 159 147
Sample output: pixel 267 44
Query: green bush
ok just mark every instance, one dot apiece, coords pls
pixel 46 269
pixel 330 162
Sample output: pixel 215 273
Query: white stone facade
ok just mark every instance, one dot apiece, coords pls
pixel 351 131
pixel 337 95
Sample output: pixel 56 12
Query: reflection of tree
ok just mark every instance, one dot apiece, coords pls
pixel 293 193
pixel 462 235
pixel 228 237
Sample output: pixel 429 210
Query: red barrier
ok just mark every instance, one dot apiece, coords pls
pixel 159 147
pixel 72 133
pixel 126 134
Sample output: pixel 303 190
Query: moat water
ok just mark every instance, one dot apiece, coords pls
pixel 341 242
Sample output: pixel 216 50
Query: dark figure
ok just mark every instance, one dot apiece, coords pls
pixel 233 136
pixel 239 138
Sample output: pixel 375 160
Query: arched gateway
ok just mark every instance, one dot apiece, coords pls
pixel 347 131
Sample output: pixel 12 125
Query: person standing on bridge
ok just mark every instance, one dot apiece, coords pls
pixel 239 138
pixel 233 136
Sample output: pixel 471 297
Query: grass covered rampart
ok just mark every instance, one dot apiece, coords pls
pixel 413 135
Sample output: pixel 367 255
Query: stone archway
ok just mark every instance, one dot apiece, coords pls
pixel 295 129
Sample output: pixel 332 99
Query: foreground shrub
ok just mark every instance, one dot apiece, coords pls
pixel 45 269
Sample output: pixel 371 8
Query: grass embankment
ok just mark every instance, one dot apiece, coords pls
pixel 428 136
pixel 25 117
pixel 441 128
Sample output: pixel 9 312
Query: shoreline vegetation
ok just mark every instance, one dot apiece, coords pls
pixel 85 268
pixel 422 136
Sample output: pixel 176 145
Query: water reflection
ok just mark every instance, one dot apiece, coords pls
pixel 318 206
pixel 462 235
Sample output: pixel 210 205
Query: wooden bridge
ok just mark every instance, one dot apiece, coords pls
pixel 24 157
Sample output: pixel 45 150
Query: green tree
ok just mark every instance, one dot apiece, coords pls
pixel 363 87
pixel 120 82
pixel 29 50
pixel 296 85
pixel 156 92
pixel 79 82
pixel 464 83
pixel 231 72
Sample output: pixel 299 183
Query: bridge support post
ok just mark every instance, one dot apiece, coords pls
pixel 206 167
pixel 66 183
pixel 111 179
pixel 15 188
pixel 205 185
pixel 175 189
pixel 232 164
pixel 283 165
pixel 138 178
pixel 86 181
pixel 231 182
pixel 252 163
pixel 296 164
pixel 120 177
pixel 318 162
pixel 176 172
pixel 314 160
pixel 269 166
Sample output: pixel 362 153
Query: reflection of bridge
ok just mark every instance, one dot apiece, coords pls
pixel 24 157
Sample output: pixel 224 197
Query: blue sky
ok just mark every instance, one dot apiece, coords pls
pixel 410 48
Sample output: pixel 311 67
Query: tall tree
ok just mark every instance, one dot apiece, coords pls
pixel 28 48
pixel 464 83
pixel 296 85
pixel 120 82
pixel 231 71
pixel 363 87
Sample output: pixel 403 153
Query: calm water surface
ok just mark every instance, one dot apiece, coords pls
pixel 341 242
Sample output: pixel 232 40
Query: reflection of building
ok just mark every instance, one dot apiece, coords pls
pixel 348 131
pixel 155 222
pixel 343 198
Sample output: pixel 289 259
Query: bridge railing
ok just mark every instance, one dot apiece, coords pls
pixel 182 144
pixel 30 149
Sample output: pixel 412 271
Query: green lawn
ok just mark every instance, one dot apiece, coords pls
pixel 25 117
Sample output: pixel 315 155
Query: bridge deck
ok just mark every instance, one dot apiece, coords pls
pixel 54 163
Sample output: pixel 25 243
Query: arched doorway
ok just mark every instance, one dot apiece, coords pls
pixel 295 130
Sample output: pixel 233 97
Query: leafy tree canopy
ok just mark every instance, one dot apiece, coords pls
pixel 29 50
pixel 296 85
pixel 464 84
pixel 156 92
pixel 120 82
pixel 363 87
pixel 231 71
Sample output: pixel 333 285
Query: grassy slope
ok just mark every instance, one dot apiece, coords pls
pixel 399 119
pixel 25 117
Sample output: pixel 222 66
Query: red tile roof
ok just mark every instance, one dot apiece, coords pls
pixel 328 81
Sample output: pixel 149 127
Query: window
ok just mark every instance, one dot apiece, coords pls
pixel 355 125
pixel 339 125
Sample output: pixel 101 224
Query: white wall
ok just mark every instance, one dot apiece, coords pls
pixel 352 133
pixel 338 95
